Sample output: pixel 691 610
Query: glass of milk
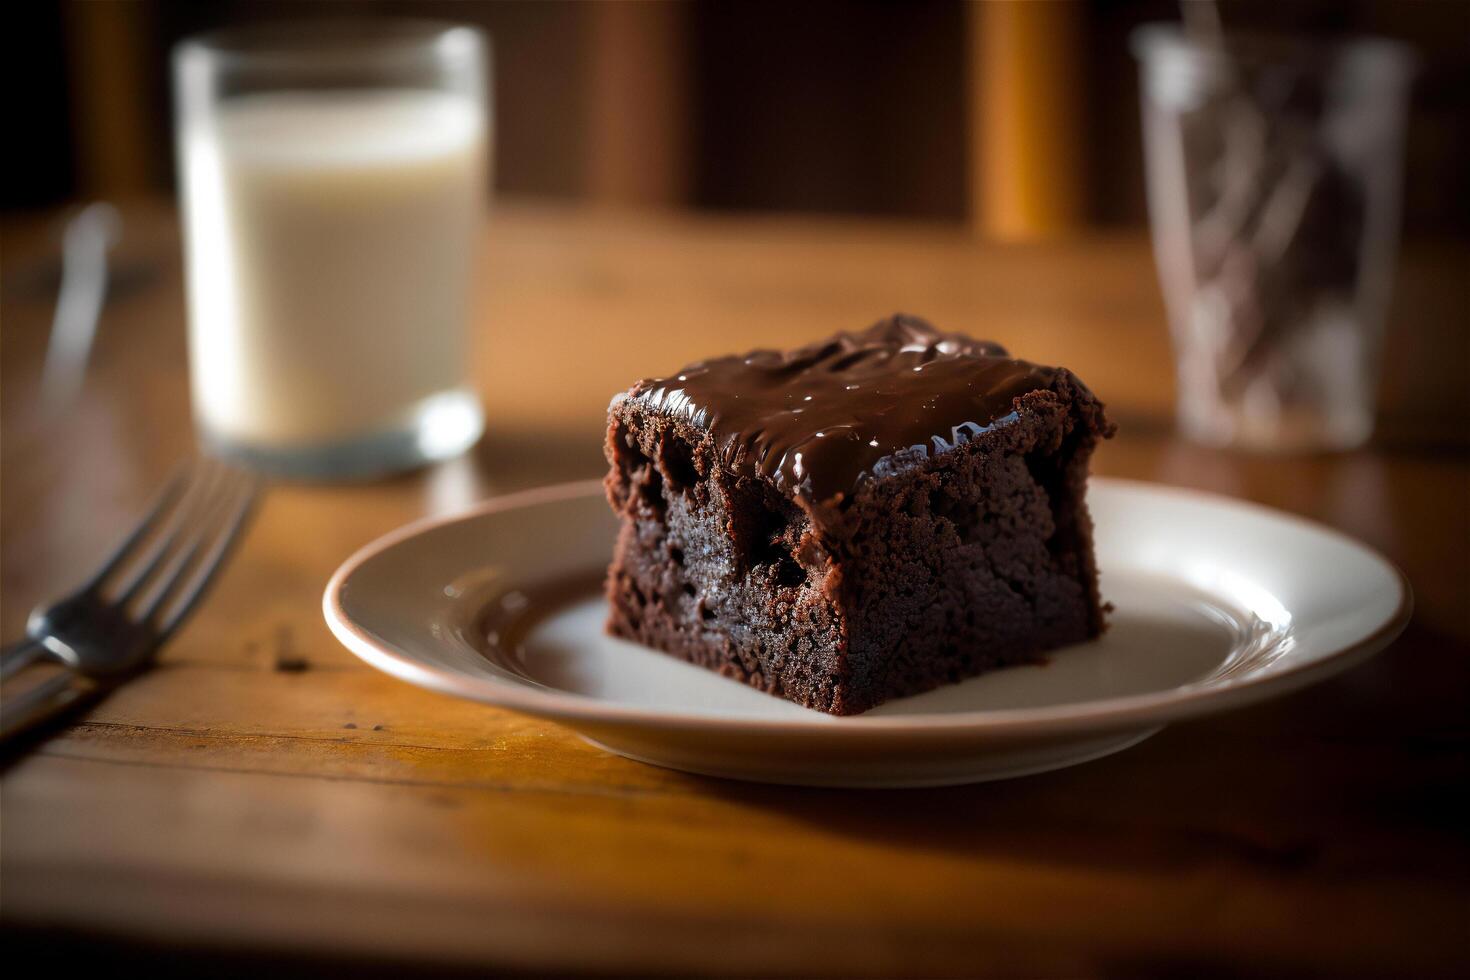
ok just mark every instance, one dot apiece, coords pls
pixel 334 183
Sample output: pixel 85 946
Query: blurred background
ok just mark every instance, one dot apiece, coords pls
pixel 996 122
pixel 859 107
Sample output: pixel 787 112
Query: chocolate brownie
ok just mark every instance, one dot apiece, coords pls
pixel 863 518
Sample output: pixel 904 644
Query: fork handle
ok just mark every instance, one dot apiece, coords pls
pixel 43 700
pixel 22 653
pixel 54 696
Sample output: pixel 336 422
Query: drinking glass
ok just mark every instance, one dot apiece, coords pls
pixel 334 183
pixel 1274 173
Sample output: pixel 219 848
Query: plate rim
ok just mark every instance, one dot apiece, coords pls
pixel 1135 710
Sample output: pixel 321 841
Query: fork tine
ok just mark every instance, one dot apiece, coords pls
pixel 162 504
pixel 168 583
pixel 212 514
pixel 217 557
pixel 182 517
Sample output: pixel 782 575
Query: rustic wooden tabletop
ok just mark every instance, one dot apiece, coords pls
pixel 224 803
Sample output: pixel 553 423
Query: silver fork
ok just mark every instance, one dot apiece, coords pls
pixel 110 628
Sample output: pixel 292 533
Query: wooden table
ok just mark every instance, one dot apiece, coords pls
pixel 222 803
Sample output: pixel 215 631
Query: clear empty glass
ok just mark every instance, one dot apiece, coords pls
pixel 334 184
pixel 1274 175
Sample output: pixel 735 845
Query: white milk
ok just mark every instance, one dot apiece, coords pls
pixel 330 240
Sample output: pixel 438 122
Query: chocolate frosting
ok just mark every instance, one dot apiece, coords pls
pixel 821 420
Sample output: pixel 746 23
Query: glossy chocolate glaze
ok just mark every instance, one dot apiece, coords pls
pixel 821 420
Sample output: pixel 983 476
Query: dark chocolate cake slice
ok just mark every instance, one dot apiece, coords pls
pixel 859 519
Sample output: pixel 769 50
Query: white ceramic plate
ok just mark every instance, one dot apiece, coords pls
pixel 1218 604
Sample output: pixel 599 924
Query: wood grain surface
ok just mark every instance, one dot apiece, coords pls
pixel 231 801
